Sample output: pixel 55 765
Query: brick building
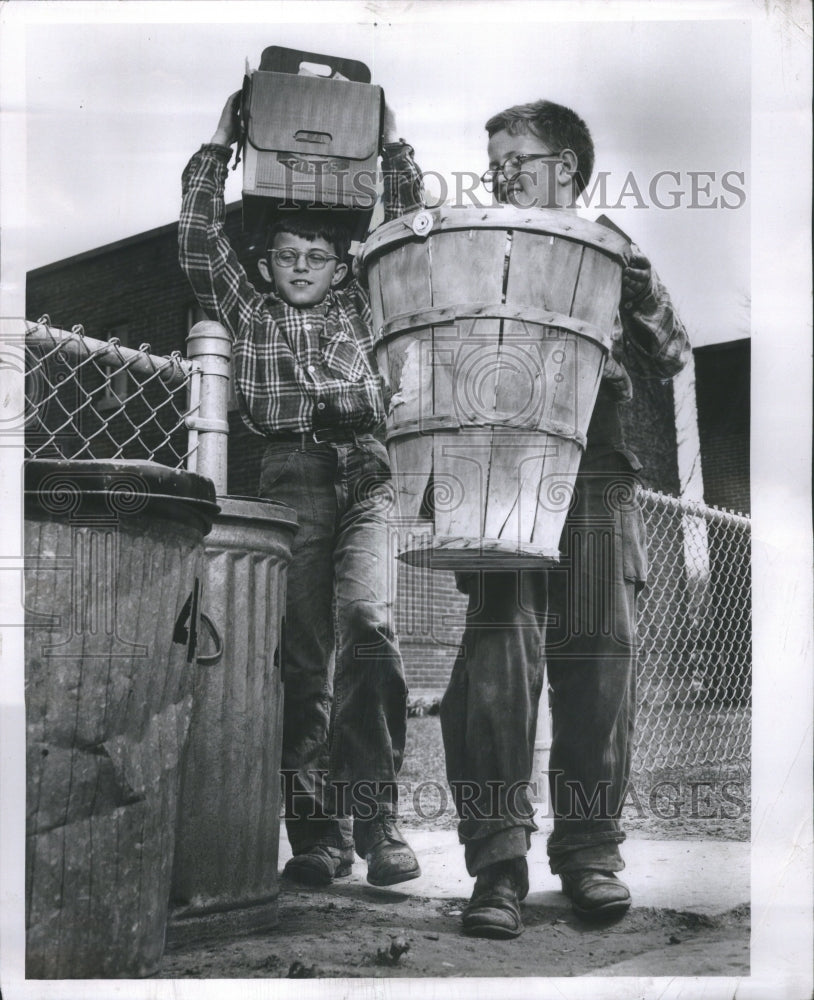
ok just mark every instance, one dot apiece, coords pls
pixel 134 290
pixel 722 396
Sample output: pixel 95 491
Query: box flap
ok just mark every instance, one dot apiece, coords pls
pixel 314 116
pixel 277 59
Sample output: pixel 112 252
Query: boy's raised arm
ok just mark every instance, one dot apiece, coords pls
pixel 228 129
pixel 403 180
pixel 218 279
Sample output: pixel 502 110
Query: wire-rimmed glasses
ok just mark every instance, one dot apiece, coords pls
pixel 511 167
pixel 288 257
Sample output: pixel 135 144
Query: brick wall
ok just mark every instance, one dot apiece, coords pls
pixel 722 373
pixel 650 432
pixel 137 284
pixel 429 620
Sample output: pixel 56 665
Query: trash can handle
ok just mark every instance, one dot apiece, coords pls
pixel 210 658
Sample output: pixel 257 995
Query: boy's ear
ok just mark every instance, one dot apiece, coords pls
pixel 567 167
pixel 265 270
pixel 340 271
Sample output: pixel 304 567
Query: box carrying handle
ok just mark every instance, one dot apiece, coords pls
pixel 278 59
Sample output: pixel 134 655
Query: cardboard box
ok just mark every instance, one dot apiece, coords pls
pixel 312 141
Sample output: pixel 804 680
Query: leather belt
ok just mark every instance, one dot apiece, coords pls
pixel 322 435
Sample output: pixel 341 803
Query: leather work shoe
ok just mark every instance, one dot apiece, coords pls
pixel 596 895
pixel 319 865
pixel 494 909
pixel 389 857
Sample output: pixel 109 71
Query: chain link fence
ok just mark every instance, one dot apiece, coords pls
pixel 92 399
pixel 695 657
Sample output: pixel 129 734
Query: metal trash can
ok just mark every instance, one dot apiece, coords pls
pixel 225 872
pixel 114 566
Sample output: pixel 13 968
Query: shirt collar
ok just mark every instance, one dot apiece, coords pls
pixel 321 309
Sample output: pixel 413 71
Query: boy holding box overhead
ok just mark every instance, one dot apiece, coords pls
pixel 306 380
pixel 579 619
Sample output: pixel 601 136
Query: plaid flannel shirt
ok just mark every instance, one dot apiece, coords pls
pixel 648 339
pixel 294 369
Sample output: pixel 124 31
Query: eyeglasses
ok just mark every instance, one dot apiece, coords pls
pixel 288 257
pixel 511 167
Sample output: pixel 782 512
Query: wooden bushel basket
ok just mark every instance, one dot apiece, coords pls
pixel 493 326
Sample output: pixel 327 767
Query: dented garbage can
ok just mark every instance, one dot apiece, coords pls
pixel 225 873
pixel 113 577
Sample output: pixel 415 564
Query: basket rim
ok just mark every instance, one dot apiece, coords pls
pixel 418 225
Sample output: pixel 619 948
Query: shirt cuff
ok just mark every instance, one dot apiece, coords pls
pixel 390 150
pixel 225 152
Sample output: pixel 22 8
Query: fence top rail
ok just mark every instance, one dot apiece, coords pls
pixel 173 370
pixel 697 508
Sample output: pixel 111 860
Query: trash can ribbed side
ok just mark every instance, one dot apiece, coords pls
pixel 114 565
pixel 225 871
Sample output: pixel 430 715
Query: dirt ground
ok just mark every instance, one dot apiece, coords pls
pixel 352 930
pixel 356 931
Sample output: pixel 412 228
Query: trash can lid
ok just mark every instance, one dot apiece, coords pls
pixel 258 509
pixel 126 487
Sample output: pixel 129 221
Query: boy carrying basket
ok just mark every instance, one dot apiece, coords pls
pixel 541 156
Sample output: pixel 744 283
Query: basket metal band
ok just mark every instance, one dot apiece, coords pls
pixel 491 310
pixel 433 425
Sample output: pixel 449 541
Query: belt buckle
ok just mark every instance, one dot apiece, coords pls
pixel 333 435
pixel 317 435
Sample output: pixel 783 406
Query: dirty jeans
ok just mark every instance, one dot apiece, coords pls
pixel 349 721
pixel 577 620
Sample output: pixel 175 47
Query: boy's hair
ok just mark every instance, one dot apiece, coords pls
pixel 554 124
pixel 310 225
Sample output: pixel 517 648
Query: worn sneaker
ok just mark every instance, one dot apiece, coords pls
pixel 319 865
pixel 389 857
pixel 596 895
pixel 494 909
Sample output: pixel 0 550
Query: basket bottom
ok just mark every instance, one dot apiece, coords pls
pixel 452 552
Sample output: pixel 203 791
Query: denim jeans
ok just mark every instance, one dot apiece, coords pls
pixel 578 621
pixel 345 707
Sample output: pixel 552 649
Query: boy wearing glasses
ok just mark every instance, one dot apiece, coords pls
pixel 306 380
pixel 579 620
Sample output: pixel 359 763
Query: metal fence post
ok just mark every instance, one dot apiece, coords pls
pixel 210 346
